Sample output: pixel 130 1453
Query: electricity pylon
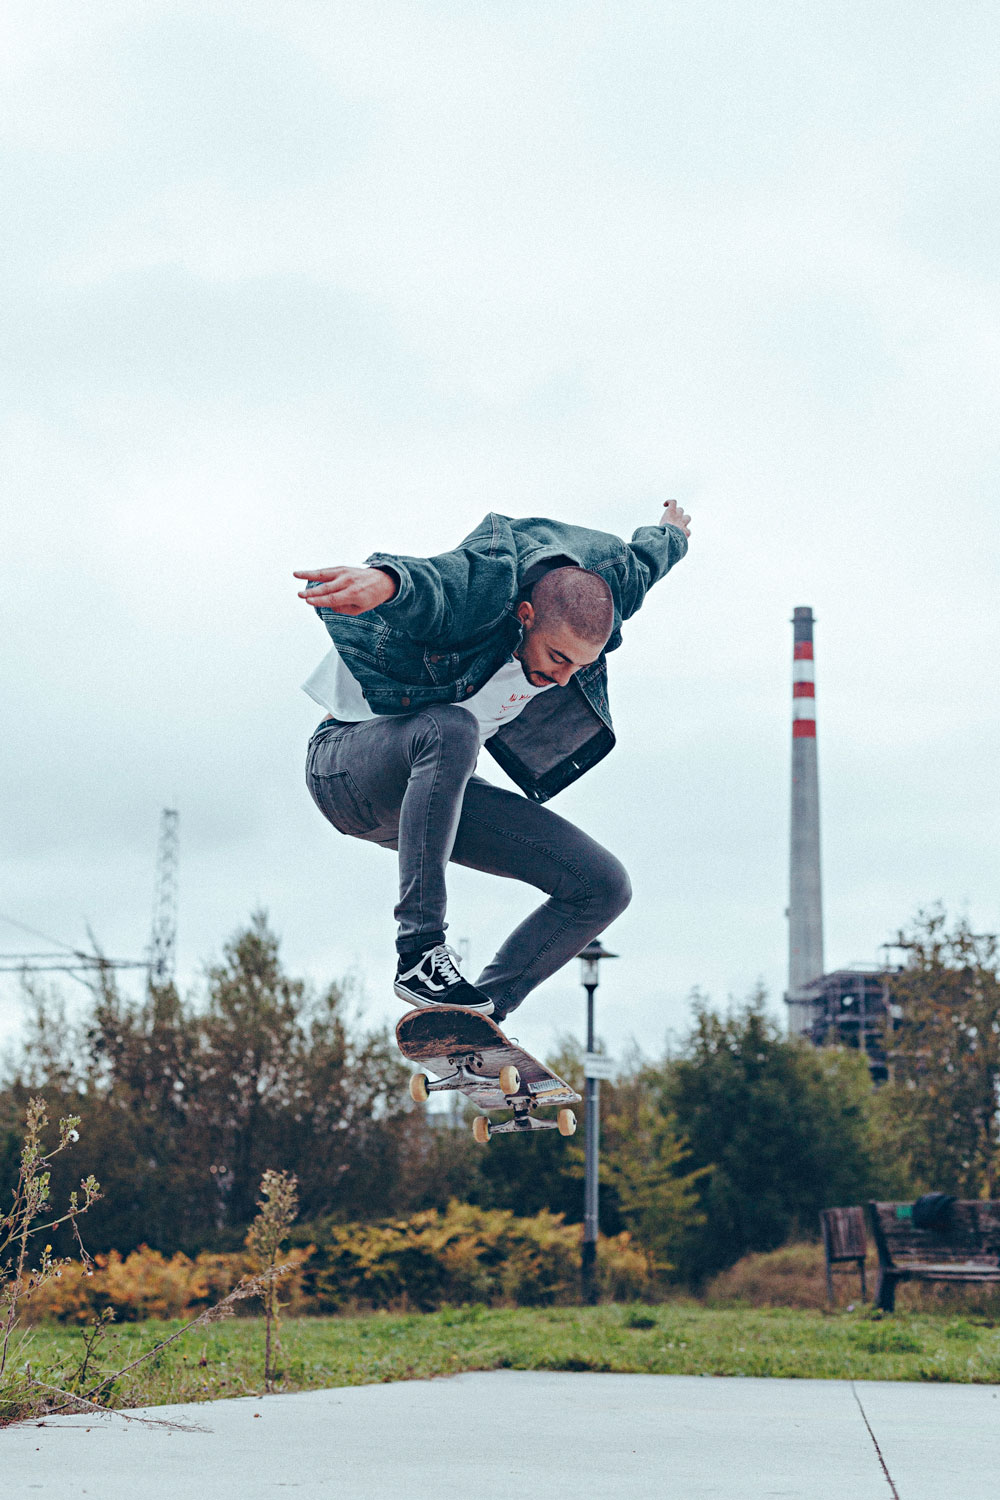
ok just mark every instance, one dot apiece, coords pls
pixel 163 936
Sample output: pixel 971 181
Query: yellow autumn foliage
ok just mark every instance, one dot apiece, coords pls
pixel 145 1284
pixel 464 1254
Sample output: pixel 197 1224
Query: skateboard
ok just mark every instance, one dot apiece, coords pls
pixel 467 1051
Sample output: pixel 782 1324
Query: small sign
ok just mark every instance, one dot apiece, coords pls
pixel 596 1065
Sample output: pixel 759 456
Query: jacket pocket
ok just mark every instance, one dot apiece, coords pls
pixel 342 803
pixel 441 666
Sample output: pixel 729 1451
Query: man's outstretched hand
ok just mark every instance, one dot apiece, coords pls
pixel 347 591
pixel 352 591
pixel 674 516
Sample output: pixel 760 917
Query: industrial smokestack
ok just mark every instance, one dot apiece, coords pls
pixel 805 904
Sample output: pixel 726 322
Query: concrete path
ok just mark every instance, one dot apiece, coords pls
pixel 504 1434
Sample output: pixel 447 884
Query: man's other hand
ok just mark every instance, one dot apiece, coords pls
pixel 674 516
pixel 347 591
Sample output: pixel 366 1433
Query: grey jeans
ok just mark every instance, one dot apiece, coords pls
pixel 406 782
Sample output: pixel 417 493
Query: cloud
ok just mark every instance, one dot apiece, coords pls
pixel 289 284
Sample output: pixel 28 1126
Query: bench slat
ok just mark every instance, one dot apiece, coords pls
pixel 965 1272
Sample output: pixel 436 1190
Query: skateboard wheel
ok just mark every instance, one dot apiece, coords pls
pixel 566 1121
pixel 510 1079
pixel 418 1088
pixel 481 1129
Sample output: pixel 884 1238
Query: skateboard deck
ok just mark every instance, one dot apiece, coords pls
pixel 468 1052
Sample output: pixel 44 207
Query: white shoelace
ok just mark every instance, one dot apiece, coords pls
pixel 445 961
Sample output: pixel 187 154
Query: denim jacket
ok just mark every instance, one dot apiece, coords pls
pixel 453 623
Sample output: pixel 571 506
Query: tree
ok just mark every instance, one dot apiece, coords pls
pixel 188 1102
pixel 784 1128
pixel 940 1110
pixel 648 1164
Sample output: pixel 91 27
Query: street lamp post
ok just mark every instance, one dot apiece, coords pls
pixel 590 958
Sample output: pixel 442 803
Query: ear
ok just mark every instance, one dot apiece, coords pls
pixel 525 614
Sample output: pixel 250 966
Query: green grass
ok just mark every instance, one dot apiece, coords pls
pixel 674 1339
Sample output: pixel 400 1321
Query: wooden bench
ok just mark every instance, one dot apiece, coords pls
pixel 964 1249
pixel 843 1240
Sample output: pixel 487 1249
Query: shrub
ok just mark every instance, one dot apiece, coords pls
pixel 147 1285
pixel 462 1255
pixel 794 1276
pixel 466 1254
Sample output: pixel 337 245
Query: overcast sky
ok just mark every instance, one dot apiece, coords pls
pixel 286 284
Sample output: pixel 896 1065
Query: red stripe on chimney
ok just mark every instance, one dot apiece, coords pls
pixel 803 690
pixel 803 729
pixel 803 650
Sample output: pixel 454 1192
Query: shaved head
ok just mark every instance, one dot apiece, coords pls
pixel 576 600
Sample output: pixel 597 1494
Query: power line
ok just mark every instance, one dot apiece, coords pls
pixel 16 963
pixel 35 933
pixel 159 960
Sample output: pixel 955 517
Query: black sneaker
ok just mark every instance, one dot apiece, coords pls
pixel 433 979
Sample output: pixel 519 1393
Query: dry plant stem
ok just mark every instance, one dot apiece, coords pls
pixel 269 1320
pixel 106 1411
pixel 92 1338
pixel 30 1194
pixel 20 1229
pixel 15 1293
pixel 254 1286
pixel 277 1203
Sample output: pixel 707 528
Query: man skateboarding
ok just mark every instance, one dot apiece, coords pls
pixel 501 642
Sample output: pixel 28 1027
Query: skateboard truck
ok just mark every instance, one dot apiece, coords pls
pixel 468 1073
pixel 524 1119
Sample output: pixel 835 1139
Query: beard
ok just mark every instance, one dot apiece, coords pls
pixel 531 673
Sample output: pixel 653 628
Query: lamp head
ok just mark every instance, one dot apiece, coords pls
pixel 590 958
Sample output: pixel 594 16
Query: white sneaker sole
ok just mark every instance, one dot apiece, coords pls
pixel 486 1009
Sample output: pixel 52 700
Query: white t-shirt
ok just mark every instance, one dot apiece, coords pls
pixel 500 699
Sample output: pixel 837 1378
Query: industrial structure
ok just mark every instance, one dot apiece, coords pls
pixel 805 897
pixel 162 950
pixel 847 1007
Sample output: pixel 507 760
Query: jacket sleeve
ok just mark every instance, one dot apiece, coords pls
pixel 448 597
pixel 649 557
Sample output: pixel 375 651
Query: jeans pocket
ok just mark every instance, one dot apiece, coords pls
pixel 342 802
